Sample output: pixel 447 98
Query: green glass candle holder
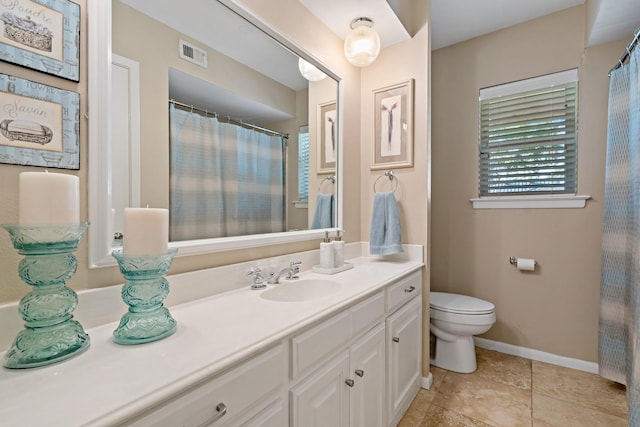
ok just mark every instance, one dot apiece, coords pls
pixel 50 334
pixel 144 292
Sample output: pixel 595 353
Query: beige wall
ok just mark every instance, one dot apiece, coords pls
pixel 398 63
pixel 296 24
pixel 554 309
pixel 12 288
pixel 155 48
pixel 312 36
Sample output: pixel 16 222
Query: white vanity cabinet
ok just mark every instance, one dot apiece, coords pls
pixel 404 345
pixel 346 391
pixel 241 359
pixel 361 367
pixel 333 363
pixel 273 415
pixel 367 396
pixel 322 399
pixel 251 394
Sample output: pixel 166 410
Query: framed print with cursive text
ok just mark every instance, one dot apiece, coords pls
pixel 41 34
pixel 39 124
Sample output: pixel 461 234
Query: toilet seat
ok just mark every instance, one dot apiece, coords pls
pixel 459 304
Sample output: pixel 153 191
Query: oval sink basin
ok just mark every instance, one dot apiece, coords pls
pixel 301 290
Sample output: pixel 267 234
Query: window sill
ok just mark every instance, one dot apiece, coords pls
pixel 301 204
pixel 531 202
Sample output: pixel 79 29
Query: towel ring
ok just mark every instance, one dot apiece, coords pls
pixel 331 178
pixel 391 176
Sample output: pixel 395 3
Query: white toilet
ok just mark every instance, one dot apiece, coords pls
pixel 454 320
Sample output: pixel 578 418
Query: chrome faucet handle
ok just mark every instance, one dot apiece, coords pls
pixel 258 280
pixel 255 272
pixel 294 269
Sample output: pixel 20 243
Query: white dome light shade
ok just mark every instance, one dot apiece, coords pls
pixel 362 44
pixel 310 72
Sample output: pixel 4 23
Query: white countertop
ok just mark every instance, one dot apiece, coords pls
pixel 110 382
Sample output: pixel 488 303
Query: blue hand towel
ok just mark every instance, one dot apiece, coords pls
pixel 385 237
pixel 323 216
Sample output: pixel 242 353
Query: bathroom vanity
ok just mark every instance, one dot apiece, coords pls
pixel 347 356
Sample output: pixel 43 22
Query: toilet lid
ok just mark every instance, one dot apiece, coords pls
pixel 460 304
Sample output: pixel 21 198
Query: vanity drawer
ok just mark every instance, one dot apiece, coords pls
pixel 239 390
pixel 319 342
pixel 367 313
pixel 403 291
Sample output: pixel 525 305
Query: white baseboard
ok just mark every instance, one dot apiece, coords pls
pixel 427 381
pixel 537 355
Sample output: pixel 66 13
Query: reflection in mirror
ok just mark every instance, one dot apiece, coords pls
pixel 226 176
pixel 221 107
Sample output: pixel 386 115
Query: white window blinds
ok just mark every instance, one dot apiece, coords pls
pixel 528 136
pixel 303 163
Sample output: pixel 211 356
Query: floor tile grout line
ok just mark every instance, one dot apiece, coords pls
pixel 581 405
pixel 531 391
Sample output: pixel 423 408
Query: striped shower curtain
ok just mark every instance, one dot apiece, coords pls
pixel 619 344
pixel 225 180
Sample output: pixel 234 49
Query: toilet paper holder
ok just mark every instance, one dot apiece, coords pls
pixel 514 261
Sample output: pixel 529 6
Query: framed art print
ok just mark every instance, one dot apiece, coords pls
pixel 39 124
pixel 327 137
pixel 393 126
pixel 41 34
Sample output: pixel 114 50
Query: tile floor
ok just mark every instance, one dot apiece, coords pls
pixel 509 391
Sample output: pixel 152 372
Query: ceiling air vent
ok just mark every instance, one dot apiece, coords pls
pixel 193 54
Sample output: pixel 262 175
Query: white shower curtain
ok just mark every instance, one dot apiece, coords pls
pixel 225 180
pixel 619 343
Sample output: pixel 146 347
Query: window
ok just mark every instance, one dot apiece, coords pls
pixel 528 137
pixel 303 164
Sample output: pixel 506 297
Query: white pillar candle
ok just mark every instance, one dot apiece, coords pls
pixel 146 231
pixel 48 198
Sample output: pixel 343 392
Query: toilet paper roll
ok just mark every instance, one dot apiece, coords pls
pixel 526 264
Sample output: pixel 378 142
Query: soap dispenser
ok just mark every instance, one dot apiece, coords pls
pixel 338 250
pixel 326 252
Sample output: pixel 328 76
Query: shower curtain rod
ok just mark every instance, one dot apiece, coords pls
pixel 236 122
pixel 628 50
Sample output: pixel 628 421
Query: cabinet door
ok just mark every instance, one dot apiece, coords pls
pixel 368 373
pixel 404 357
pixel 322 400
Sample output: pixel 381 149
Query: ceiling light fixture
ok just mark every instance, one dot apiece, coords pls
pixel 362 44
pixel 309 71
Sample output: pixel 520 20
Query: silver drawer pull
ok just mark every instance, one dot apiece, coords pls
pixel 410 289
pixel 222 410
pixel 395 339
pixel 349 382
pixel 360 373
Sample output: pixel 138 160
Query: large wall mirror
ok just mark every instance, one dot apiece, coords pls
pixel 200 108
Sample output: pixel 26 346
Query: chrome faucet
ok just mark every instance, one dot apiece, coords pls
pixel 292 272
pixel 258 280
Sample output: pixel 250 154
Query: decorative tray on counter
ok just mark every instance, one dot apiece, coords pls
pixel 334 270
